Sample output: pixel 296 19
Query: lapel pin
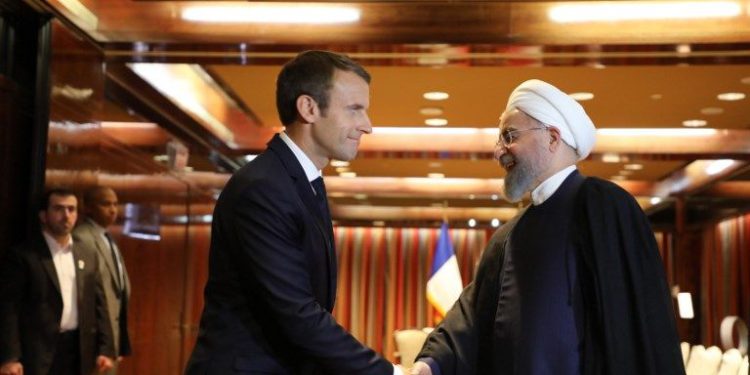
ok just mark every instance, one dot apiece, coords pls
pixel 81 264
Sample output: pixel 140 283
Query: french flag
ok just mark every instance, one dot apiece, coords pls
pixel 444 285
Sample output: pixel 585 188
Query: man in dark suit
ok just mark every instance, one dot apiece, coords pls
pixel 272 263
pixel 100 206
pixel 53 316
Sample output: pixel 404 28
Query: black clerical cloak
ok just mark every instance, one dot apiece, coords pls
pixel 629 325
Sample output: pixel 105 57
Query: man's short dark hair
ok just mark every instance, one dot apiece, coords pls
pixel 311 73
pixel 44 203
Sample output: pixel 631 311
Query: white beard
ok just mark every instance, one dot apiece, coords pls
pixel 522 178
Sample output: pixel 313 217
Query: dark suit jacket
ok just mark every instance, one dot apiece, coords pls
pixel 272 280
pixel 31 307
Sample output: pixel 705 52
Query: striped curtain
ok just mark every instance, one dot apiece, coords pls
pixel 725 275
pixel 382 277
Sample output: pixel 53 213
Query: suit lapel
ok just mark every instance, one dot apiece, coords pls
pixel 49 266
pixel 104 253
pixel 305 191
pixel 80 265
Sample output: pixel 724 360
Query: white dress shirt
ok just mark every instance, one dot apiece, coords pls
pixel 550 185
pixel 62 257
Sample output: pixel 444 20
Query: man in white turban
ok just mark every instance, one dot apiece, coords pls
pixel 574 283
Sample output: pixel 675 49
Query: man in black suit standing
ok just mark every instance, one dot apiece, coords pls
pixel 53 317
pixel 100 206
pixel 272 263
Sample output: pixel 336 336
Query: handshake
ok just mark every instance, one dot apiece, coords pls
pixel 419 368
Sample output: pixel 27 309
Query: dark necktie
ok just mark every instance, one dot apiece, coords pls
pixel 320 198
pixel 116 261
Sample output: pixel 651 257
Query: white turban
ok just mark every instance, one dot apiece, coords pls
pixel 551 106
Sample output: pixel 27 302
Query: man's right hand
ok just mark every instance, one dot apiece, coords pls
pixel 420 368
pixel 11 368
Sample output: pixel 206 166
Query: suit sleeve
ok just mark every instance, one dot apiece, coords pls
pixel 13 283
pixel 267 231
pixel 105 337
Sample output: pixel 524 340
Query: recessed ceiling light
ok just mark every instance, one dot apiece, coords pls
pixel 342 169
pixel 582 96
pixel 495 222
pixel 472 196
pixel 633 167
pixel 712 111
pixel 378 223
pixel 472 223
pixel 656 96
pixel 731 96
pixel 611 158
pixel 745 80
pixel 436 175
pixel 435 164
pixel 436 95
pixel 494 197
pixel 696 123
pixel 339 163
pixel 360 196
pixel 683 49
pixel 655 200
pixel 436 122
pixel 431 111
pixel 278 13
pixel 348 174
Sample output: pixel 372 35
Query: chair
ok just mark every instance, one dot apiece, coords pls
pixel 704 361
pixel 730 362
pixel 408 344
pixel 685 347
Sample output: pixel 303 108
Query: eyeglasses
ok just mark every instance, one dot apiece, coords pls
pixel 508 137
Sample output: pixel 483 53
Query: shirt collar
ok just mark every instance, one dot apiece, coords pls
pixel 550 185
pixel 55 247
pixel 307 165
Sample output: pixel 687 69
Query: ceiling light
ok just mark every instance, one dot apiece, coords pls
pixel 655 200
pixel 582 96
pixel 472 223
pixel 436 175
pixel 633 167
pixel 611 158
pixel 360 196
pixel 718 166
pixel 435 95
pixel 378 223
pixel 348 174
pixel 712 111
pixel 495 222
pixel 656 96
pixel 279 13
pixel 436 122
pixel 342 169
pixel 683 49
pixel 472 196
pixel 434 131
pixel 339 163
pixel 431 111
pixel 633 11
pixel 435 164
pixel 694 123
pixel 494 197
pixel 731 96
pixel 745 80
pixel 656 132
